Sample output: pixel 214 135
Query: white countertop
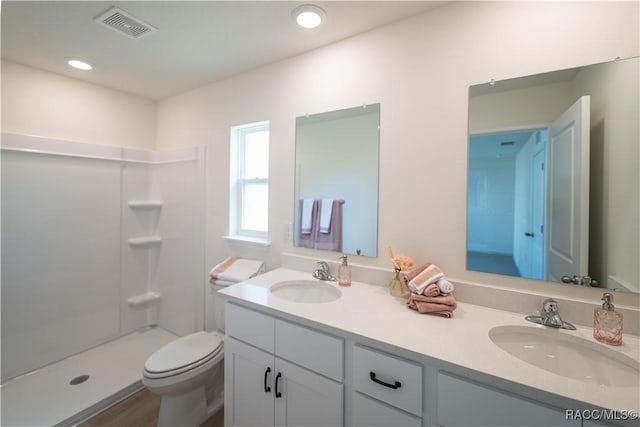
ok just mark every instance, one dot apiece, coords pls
pixel 369 311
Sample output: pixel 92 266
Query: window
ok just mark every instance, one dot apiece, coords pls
pixel 249 192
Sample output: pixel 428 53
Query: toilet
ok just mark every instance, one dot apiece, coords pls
pixel 178 373
pixel 181 372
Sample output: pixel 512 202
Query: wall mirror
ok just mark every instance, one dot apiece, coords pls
pixel 336 182
pixel 553 181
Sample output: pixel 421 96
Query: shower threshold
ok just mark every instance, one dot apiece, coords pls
pixel 72 390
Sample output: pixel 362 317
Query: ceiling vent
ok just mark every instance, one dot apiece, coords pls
pixel 124 23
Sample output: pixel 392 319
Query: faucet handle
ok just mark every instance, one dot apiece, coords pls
pixel 323 266
pixel 550 306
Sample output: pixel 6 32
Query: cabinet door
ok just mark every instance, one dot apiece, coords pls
pixel 371 413
pixel 306 399
pixel 248 383
pixel 463 403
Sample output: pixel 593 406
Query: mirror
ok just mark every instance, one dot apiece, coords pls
pixel 553 181
pixel 337 160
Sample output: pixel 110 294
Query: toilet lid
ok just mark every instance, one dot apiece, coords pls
pixel 183 352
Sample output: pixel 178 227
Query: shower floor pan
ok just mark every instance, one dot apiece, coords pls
pixel 71 390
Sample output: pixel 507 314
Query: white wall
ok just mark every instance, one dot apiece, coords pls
pixel 615 149
pixel 491 205
pixel 41 103
pixel 419 70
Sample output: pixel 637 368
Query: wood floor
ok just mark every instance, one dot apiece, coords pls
pixel 140 410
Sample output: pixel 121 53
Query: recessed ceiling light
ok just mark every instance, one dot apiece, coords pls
pixel 80 65
pixel 308 15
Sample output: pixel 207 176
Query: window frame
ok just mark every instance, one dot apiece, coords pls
pixel 238 182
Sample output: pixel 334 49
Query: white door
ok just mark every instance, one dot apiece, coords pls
pixel 306 399
pixel 248 383
pixel 568 224
pixel 537 215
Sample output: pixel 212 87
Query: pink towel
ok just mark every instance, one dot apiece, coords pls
pixel 234 270
pixel 409 276
pixel 440 305
pixel 432 290
pixel 331 241
pixel 429 275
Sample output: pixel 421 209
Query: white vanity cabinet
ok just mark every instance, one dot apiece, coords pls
pixel 278 373
pixel 464 403
pixel 387 390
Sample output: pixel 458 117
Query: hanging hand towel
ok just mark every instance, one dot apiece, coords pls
pixel 326 210
pixel 307 216
pixel 331 241
pixel 307 240
pixel 234 270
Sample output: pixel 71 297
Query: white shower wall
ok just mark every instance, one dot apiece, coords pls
pixel 68 269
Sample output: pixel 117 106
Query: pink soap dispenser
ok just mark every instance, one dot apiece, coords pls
pixel 344 272
pixel 607 323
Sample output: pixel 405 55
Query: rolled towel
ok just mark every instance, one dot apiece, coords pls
pixel 432 290
pixel 429 275
pixel 445 286
pixel 234 270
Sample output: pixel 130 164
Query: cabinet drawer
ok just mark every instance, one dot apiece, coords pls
pixel 371 413
pixel 312 349
pixel 395 381
pixel 250 326
pixel 463 403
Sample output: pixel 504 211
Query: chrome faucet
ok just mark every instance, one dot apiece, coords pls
pixel 323 272
pixel 550 316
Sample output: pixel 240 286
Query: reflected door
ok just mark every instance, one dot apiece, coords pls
pixel 568 235
pixel 537 215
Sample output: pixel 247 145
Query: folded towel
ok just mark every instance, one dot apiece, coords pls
pixel 409 276
pixel 443 305
pixel 445 286
pixel 234 270
pixel 306 216
pixel 429 275
pixel 221 282
pixel 326 209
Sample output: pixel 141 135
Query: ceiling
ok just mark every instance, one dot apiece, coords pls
pixel 197 42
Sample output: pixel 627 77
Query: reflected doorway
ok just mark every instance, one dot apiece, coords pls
pixel 506 202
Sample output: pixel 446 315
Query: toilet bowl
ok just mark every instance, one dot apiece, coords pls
pixel 178 372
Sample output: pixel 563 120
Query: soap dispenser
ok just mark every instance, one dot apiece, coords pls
pixel 607 323
pixel 344 272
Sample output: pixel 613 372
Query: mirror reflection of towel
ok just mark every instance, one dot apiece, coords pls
pixel 332 240
pixel 307 240
pixel 307 216
pixel 326 210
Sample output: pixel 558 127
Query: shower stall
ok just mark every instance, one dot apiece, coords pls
pixel 102 263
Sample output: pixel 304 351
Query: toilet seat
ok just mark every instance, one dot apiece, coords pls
pixel 183 355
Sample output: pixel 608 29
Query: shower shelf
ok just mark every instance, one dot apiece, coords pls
pixel 145 298
pixel 145 204
pixel 145 241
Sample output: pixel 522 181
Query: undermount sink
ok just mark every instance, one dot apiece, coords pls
pixel 306 291
pixel 567 355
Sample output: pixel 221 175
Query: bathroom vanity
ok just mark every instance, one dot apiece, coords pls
pixel 365 359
